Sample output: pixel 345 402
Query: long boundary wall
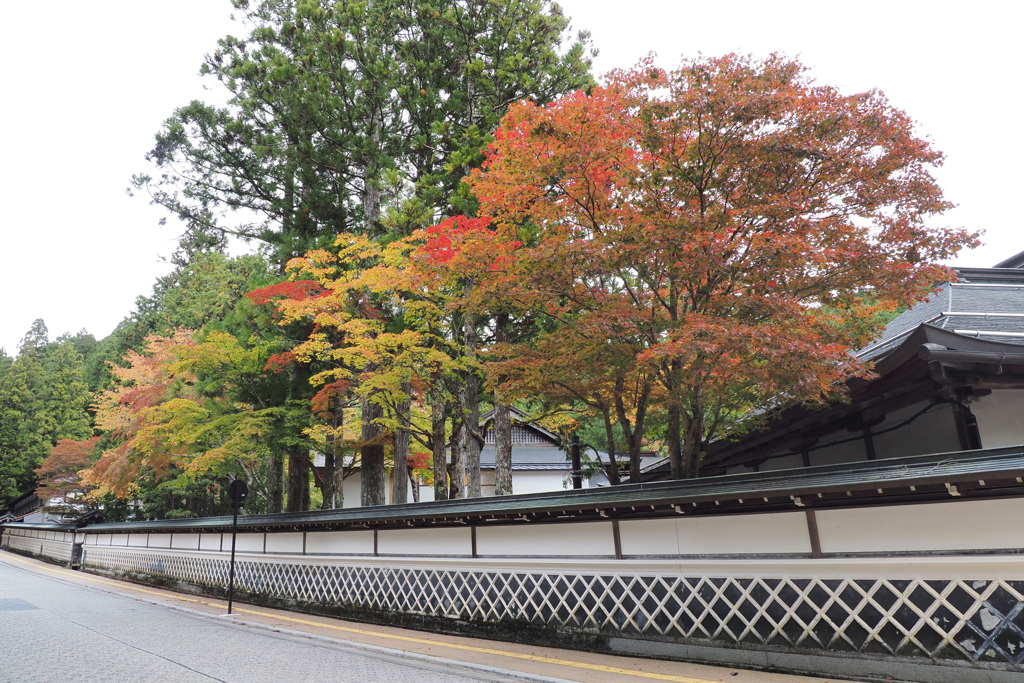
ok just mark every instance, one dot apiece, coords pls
pixel 929 592
pixel 51 542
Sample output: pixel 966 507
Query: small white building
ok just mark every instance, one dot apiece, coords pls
pixel 539 465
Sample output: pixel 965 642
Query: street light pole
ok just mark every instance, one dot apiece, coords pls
pixel 237 491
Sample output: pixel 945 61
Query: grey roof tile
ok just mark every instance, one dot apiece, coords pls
pixel 990 305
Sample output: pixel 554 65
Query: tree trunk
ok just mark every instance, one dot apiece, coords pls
pixel 298 481
pixel 304 491
pixel 458 471
pixel 288 210
pixel 334 463
pixel 371 456
pixel 633 429
pixel 414 485
pixel 371 189
pixel 400 474
pixel 502 446
pixel 675 451
pixel 675 414
pixel 471 444
pixel 502 424
pixel 275 482
pixel 223 503
pixel 298 457
pixel 693 441
pixel 609 432
pixel 634 459
pixel 437 443
pixel 471 413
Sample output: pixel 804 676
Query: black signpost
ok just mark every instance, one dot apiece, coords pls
pixel 237 491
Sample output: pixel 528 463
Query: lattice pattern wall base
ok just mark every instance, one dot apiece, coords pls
pixel 951 619
pixel 56 550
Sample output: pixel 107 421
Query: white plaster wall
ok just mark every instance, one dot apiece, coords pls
pixel 340 542
pixel 122 540
pixel 443 541
pixel 246 543
pixel 558 540
pixel 290 542
pixel 527 482
pixel 778 533
pixel 185 541
pixel 1000 418
pixel 522 482
pixel 352 487
pixel 209 541
pixel 539 482
pixel 157 541
pixel 961 525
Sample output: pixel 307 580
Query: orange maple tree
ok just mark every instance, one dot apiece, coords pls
pixel 728 220
pixel 140 440
pixel 60 484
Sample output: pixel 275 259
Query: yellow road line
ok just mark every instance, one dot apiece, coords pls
pixel 347 629
pixel 490 651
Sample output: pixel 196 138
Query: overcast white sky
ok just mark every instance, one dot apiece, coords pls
pixel 88 86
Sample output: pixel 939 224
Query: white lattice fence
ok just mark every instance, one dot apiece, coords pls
pixel 948 619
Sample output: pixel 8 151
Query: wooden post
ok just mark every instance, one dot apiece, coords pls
pixel 812 532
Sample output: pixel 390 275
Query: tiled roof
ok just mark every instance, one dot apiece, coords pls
pixel 913 479
pixel 527 454
pixel 986 303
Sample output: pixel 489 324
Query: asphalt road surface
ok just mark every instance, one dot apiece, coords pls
pixel 60 625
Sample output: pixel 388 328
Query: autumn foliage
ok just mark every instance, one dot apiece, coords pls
pixel 60 484
pixel 680 248
pixel 297 290
pixel 721 223
pixel 697 243
pixel 128 412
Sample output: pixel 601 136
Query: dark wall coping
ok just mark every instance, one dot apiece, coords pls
pixel 963 475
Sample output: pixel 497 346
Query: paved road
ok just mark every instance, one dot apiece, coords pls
pixel 59 625
pixel 54 630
